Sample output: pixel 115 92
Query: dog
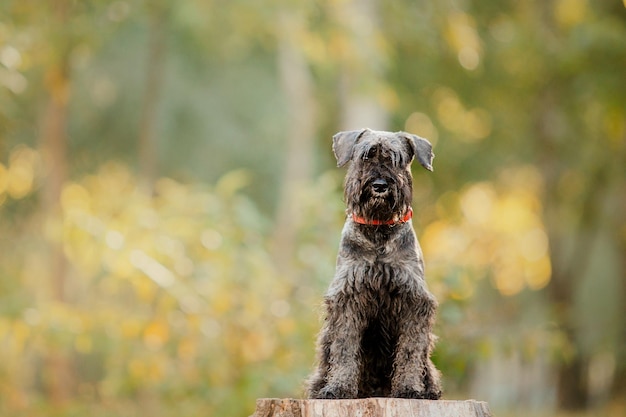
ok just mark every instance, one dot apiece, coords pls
pixel 376 338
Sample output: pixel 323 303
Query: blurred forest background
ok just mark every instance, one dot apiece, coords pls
pixel 170 208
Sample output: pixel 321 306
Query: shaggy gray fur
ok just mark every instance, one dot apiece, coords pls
pixel 376 339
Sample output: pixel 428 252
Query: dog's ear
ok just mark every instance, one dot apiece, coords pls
pixel 422 149
pixel 343 145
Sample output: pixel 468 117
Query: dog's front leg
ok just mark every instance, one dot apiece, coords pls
pixel 341 348
pixel 414 376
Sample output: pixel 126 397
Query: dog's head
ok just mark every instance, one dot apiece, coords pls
pixel 379 184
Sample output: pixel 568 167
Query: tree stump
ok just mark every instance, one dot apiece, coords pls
pixel 369 407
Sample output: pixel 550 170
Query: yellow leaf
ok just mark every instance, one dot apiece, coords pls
pixel 156 335
pixel 538 273
pixel 4 179
pixel 137 368
pixel 75 197
pixel 570 12
pixel 187 349
pixel 21 174
pixel 83 344
pixel 130 329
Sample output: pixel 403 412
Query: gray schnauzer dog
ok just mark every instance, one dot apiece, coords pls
pixel 376 339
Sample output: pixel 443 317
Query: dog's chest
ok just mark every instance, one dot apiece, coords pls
pixel 379 277
pixel 375 269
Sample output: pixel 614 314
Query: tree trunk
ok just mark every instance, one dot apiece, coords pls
pixel 370 407
pixel 572 393
pixel 618 391
pixel 571 248
pixel 58 375
pixel 155 65
pixel 297 85
pixel 361 81
pixel 53 143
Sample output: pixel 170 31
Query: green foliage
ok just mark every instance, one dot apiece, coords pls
pixel 174 298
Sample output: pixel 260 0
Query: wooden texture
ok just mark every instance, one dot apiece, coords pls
pixel 370 407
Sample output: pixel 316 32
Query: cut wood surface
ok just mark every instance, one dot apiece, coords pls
pixel 369 407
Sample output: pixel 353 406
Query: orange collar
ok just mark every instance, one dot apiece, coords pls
pixel 361 220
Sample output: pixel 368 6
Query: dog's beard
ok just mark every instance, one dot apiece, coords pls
pixel 387 206
pixel 379 207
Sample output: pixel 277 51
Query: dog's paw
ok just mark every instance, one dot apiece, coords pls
pixel 417 395
pixel 408 393
pixel 432 395
pixel 335 392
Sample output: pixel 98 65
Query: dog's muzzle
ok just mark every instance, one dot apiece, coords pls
pixel 380 186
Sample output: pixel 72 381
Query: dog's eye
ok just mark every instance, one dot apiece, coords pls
pixel 371 153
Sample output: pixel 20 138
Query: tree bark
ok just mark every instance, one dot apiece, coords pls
pixel 297 85
pixel 53 144
pixel 370 407
pixel 618 390
pixel 568 266
pixel 58 375
pixel 571 389
pixel 155 66
pixel 363 68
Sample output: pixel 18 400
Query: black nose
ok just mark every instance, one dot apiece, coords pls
pixel 380 185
